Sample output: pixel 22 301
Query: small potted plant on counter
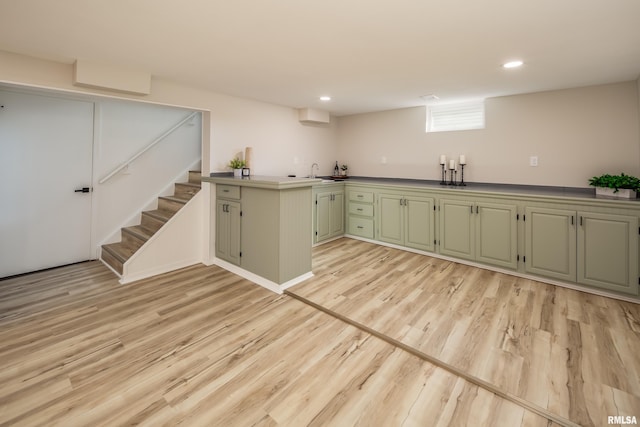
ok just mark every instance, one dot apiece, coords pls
pixel 237 165
pixel 616 186
pixel 344 169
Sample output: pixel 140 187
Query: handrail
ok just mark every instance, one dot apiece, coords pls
pixel 147 148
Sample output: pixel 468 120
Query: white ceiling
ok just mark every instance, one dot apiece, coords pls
pixel 369 55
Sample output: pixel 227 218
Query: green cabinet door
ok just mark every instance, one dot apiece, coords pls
pixel 608 251
pixel 228 231
pixel 550 242
pixel 457 228
pixel 419 223
pixel 323 216
pixel 497 234
pixel 391 221
pixel 337 214
pixel 329 215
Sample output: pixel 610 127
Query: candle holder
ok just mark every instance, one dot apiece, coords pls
pixel 444 176
pixel 451 172
pixel 462 184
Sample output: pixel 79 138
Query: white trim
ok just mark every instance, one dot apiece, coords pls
pixel 165 268
pixel 259 280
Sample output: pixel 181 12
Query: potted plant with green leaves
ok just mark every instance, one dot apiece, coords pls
pixel 616 186
pixel 236 164
pixel 344 169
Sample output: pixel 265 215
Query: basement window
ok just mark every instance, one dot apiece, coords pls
pixel 461 116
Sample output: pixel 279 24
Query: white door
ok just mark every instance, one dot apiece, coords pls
pixel 46 148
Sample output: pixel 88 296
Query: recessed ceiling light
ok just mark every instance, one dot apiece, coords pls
pixel 325 98
pixel 512 64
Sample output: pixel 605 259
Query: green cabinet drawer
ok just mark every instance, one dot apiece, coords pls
pixel 361 196
pixel 362 227
pixel 228 191
pixel 360 209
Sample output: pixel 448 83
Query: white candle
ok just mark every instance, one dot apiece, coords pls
pixel 452 164
pixel 443 159
pixel 463 160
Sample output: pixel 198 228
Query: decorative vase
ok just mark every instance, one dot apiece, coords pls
pixel 608 193
pixel 237 172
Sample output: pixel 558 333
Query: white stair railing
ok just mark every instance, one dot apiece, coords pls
pixel 153 143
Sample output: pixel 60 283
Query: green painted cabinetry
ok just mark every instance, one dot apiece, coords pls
pixel 329 214
pixel 228 214
pixel 457 228
pixel 608 251
pixel 592 248
pixel 497 234
pixel 550 242
pixel 360 212
pixel 407 220
pixel 479 231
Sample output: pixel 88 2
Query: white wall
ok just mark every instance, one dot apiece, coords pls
pixel 576 134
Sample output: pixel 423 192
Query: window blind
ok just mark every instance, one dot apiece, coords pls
pixel 448 117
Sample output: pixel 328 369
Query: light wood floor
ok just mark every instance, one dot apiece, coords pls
pixel 572 353
pixel 201 346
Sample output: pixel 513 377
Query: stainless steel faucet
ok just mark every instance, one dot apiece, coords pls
pixel 313 175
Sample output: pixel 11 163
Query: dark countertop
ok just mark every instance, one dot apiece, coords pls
pixel 478 187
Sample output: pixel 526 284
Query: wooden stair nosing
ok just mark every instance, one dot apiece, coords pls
pixel 176 199
pixel 159 214
pixel 139 232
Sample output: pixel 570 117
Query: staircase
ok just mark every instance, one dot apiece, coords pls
pixel 132 238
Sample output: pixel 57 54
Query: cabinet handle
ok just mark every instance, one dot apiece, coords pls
pixel 571 219
pixel 471 208
pixel 359 196
pixel 477 209
pixel 359 209
pixel 360 227
pixel 580 221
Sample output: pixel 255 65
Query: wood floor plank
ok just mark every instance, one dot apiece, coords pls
pixel 202 346
pixel 549 345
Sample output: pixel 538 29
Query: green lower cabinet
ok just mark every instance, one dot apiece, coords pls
pixel 497 234
pixel 479 231
pixel 391 219
pixel 608 251
pixel 329 215
pixel 457 228
pixel 406 220
pixel 228 231
pixel 550 242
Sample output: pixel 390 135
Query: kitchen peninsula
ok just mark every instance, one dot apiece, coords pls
pixel 262 228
